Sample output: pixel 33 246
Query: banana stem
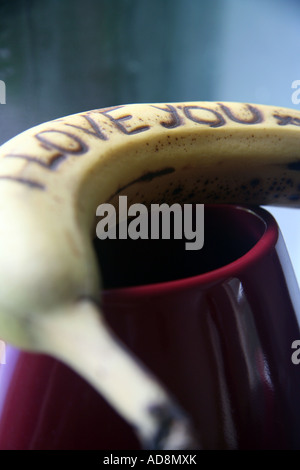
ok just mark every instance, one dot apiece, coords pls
pixel 79 336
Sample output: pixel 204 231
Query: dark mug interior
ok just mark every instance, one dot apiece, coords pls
pixel 227 237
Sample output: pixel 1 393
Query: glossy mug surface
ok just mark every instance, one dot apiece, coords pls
pixel 215 325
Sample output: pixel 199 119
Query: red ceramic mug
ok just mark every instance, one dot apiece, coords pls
pixel 216 326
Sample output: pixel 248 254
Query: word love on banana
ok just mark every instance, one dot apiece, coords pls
pixel 163 221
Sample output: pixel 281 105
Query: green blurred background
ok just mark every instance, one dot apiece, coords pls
pixel 59 57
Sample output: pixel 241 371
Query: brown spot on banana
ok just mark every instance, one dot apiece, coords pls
pixel 151 175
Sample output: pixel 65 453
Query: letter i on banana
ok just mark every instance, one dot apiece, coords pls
pixel 53 177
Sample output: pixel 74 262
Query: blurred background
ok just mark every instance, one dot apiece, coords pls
pixel 59 57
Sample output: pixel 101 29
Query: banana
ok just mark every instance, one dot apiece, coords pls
pixel 53 177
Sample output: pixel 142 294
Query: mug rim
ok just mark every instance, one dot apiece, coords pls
pixel 266 242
